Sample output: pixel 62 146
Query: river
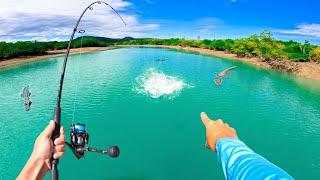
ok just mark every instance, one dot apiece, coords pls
pixel 148 101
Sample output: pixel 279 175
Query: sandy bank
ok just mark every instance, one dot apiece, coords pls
pixel 308 70
pixel 22 60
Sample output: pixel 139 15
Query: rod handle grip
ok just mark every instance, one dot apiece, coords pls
pixel 55 135
pixel 54 171
pixel 57 116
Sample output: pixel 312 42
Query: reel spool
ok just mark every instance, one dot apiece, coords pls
pixel 79 139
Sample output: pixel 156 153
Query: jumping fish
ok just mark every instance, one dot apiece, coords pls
pixel 225 72
pixel 222 74
pixel 26 98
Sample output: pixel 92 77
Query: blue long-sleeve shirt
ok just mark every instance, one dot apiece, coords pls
pixel 240 162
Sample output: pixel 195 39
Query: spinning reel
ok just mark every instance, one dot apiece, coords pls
pixel 79 139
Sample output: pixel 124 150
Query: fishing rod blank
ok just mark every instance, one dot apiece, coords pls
pixel 57 110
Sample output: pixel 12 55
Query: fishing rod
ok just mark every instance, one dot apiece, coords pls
pixel 78 131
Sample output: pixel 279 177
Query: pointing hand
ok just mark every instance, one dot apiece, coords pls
pixel 215 130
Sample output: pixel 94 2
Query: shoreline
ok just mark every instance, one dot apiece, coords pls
pixel 309 70
pixel 8 63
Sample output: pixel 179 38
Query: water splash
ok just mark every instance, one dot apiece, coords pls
pixel 156 84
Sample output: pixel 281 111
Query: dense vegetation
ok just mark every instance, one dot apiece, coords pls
pixel 30 48
pixel 258 45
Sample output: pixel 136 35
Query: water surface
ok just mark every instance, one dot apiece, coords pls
pixel 160 137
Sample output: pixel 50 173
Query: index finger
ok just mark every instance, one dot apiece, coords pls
pixel 205 119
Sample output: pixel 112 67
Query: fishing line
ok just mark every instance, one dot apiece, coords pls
pixel 77 77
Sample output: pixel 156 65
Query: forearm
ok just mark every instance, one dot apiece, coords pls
pixel 34 169
pixel 240 162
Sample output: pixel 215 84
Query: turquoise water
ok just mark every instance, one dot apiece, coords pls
pixel 161 137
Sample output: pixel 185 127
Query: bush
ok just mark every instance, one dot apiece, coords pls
pixel 298 57
pixel 239 48
pixel 220 45
pixel 207 44
pixel 315 55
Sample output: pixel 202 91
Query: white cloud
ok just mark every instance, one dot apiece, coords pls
pixel 192 29
pixel 150 1
pixel 54 19
pixel 207 25
pixel 309 30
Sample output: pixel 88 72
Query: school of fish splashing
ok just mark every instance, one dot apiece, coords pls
pixel 156 84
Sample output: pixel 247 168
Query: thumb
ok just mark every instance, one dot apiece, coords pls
pixel 49 129
pixel 205 119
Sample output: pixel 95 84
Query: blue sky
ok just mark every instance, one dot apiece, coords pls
pixel 53 19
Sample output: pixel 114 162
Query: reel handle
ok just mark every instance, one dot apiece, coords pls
pixel 112 151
